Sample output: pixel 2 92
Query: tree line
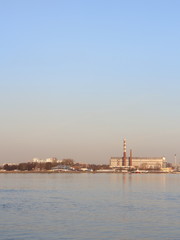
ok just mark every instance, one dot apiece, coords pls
pixel 40 166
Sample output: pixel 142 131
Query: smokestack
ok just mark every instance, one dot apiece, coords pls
pixel 130 159
pixel 124 153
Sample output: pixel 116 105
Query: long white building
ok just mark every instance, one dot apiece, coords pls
pixel 51 160
pixel 139 162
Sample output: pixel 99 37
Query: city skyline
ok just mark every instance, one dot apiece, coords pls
pixel 77 77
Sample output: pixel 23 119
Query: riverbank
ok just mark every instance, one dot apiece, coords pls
pixel 78 172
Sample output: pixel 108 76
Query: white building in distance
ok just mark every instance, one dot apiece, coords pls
pixel 51 160
pixel 139 162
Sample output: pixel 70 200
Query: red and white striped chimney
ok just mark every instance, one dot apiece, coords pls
pixel 124 153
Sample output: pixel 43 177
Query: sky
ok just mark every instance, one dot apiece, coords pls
pixel 76 77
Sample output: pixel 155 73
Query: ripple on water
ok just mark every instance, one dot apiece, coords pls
pixel 111 207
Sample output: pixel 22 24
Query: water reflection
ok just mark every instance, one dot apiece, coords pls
pixel 89 206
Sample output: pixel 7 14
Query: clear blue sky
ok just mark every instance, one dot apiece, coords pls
pixel 76 77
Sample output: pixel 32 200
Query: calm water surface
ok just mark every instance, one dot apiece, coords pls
pixel 89 206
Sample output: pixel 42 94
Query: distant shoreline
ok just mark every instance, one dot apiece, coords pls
pixel 83 172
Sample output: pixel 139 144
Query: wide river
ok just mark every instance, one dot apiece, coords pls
pixel 89 206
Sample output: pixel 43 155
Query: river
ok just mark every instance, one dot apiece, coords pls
pixel 89 206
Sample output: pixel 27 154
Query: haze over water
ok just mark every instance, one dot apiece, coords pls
pixel 89 206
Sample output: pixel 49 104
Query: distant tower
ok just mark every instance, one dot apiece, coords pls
pixel 175 161
pixel 130 159
pixel 124 153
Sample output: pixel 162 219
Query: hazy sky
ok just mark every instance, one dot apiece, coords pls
pixel 76 77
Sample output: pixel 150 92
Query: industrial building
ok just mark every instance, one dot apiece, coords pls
pixel 137 162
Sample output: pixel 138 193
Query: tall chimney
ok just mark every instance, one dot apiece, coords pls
pixel 130 159
pixel 124 153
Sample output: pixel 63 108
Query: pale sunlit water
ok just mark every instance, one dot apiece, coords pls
pixel 89 206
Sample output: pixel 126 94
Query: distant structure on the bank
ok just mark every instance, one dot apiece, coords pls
pixel 137 162
pixel 50 160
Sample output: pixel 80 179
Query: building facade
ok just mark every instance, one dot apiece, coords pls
pixel 139 162
pixel 51 160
